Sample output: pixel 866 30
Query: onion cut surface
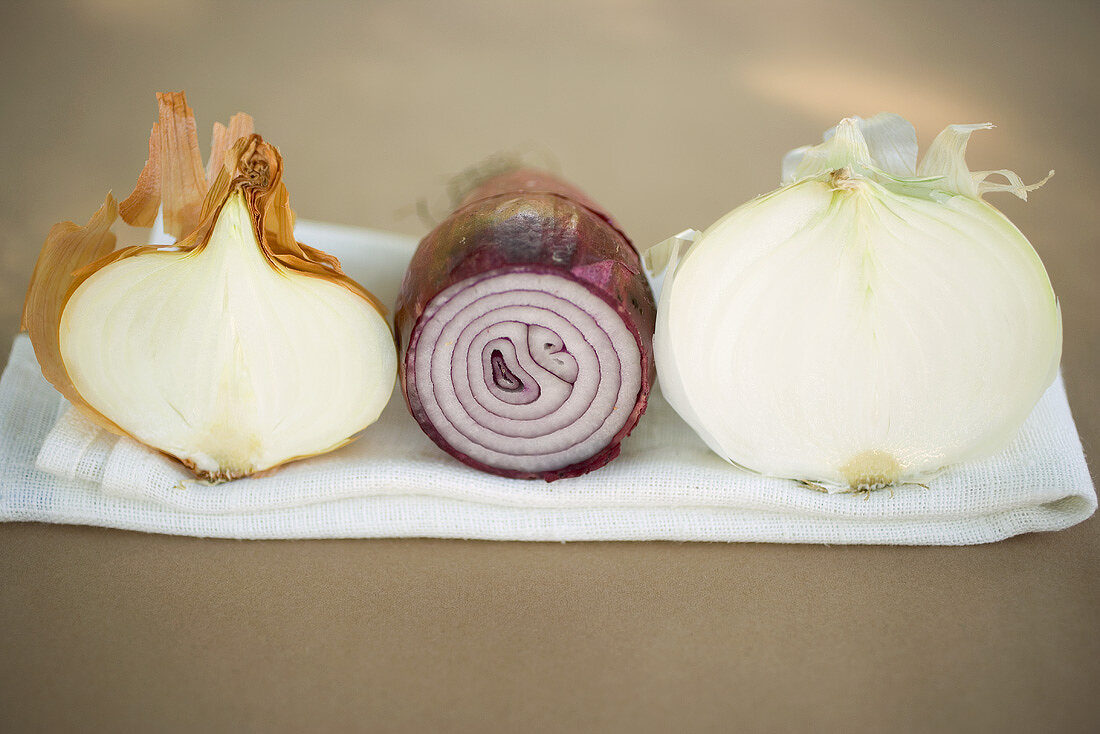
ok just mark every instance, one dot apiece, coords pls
pixel 223 361
pixel 525 323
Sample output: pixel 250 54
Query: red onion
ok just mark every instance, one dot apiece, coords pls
pixel 525 328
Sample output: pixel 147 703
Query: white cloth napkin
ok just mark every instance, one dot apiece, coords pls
pixel 57 467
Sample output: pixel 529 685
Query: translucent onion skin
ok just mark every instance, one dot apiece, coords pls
pixel 538 265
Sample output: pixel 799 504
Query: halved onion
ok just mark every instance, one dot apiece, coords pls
pixel 868 323
pixel 234 351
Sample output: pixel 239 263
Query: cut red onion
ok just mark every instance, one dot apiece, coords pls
pixel 526 326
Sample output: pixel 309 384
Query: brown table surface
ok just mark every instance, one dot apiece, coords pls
pixel 669 114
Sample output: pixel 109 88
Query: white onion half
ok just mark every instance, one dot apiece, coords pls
pixel 868 323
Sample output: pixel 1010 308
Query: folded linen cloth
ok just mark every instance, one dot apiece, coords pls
pixel 55 466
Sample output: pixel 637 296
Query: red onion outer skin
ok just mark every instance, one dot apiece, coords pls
pixel 530 222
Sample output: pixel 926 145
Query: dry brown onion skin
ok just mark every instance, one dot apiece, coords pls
pixel 69 248
pixel 191 197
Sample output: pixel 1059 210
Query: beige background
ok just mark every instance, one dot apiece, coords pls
pixel 669 114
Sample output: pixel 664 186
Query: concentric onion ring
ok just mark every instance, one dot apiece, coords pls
pixel 524 372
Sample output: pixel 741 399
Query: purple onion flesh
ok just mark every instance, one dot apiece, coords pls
pixel 525 330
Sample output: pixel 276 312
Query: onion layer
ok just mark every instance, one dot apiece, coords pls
pixel 526 326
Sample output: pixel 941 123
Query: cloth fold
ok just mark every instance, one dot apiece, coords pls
pixel 56 466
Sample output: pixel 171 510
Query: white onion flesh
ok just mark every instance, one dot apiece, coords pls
pixel 857 331
pixel 224 360
pixel 525 371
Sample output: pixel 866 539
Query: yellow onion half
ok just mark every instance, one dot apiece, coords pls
pixel 235 350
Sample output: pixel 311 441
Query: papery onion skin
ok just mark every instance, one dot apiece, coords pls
pixel 527 222
pixel 867 324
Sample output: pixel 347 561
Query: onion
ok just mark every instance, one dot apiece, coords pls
pixel 525 326
pixel 234 351
pixel 868 323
